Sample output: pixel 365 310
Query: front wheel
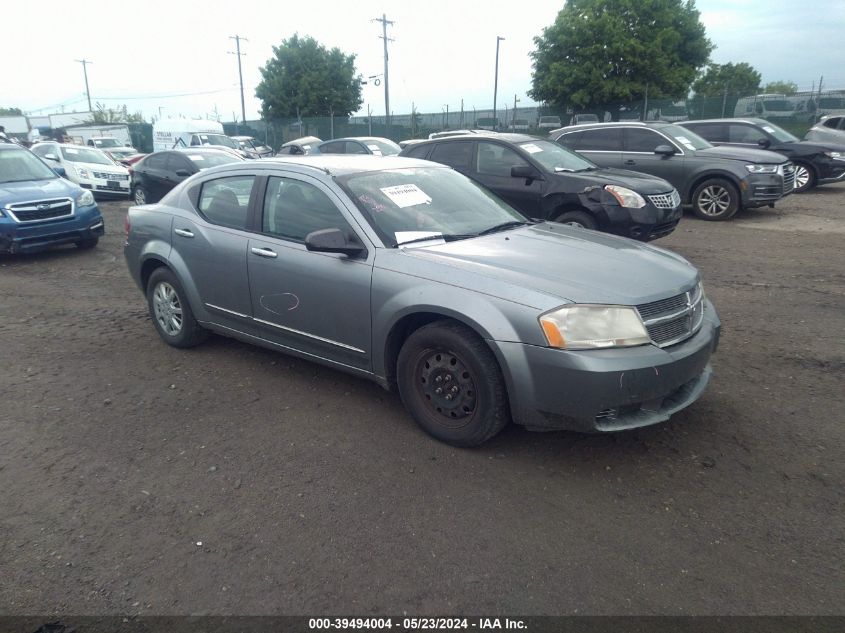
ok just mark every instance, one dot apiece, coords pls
pixel 170 312
pixel 805 178
pixel 715 199
pixel 577 218
pixel 451 383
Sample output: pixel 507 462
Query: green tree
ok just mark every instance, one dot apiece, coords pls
pixel 11 112
pixel 781 87
pixel 603 51
pixel 306 79
pixel 738 80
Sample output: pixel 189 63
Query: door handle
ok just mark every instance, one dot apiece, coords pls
pixel 630 162
pixel 264 252
pixel 183 232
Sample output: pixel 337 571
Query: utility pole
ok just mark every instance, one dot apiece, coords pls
pixel 496 80
pixel 85 63
pixel 384 22
pixel 515 100
pixel 238 39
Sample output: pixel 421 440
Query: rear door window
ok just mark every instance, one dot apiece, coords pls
pixel 457 154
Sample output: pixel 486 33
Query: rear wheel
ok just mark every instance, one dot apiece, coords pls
pixel 715 199
pixel 140 195
pixel 170 312
pixel 805 177
pixel 451 383
pixel 577 218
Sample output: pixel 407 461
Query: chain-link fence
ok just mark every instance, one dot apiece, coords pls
pixel 796 113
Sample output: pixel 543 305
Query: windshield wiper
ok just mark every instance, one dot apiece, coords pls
pixel 446 237
pixel 501 227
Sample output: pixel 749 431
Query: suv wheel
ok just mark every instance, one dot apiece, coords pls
pixel 805 178
pixel 577 218
pixel 451 383
pixel 140 195
pixel 170 312
pixel 715 199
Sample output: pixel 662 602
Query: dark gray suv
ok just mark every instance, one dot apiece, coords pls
pixel 716 181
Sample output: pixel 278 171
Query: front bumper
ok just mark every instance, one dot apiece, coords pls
pixel 645 224
pixel 758 190
pixel 107 187
pixel 830 170
pixel 606 390
pixel 87 224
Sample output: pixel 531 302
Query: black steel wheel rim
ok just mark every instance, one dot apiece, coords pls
pixel 445 385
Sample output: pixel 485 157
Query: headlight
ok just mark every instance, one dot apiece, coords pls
pixel 85 199
pixel 835 155
pixel 593 327
pixel 625 197
pixel 762 169
pixel 83 173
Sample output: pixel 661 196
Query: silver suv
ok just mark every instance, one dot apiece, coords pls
pixel 716 181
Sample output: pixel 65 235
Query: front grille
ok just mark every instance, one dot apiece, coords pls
pixel 788 178
pixel 41 210
pixel 666 200
pixel 672 320
pixel 106 176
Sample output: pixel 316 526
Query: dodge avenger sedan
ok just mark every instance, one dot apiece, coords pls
pixel 408 273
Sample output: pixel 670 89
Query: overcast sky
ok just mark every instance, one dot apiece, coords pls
pixel 144 54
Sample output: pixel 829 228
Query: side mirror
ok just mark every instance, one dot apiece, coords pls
pixel 764 143
pixel 333 241
pixel 183 172
pixel 524 171
pixel 60 171
pixel 665 150
pixel 51 157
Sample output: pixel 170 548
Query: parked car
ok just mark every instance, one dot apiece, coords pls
pixel 578 119
pixel 716 181
pixel 548 122
pixel 88 167
pixel 407 273
pixel 829 129
pixel 815 162
pixel 250 145
pixel 159 172
pixel 304 145
pixel 519 125
pixel 107 143
pixel 40 209
pixel 489 124
pixel 120 154
pixel 360 145
pixel 547 182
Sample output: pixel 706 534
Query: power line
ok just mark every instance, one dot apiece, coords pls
pixel 167 96
pixel 85 63
pixel 384 22
pixel 238 39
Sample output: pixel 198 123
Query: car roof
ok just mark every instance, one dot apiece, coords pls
pixel 611 124
pixel 752 120
pixel 360 138
pixel 509 137
pixel 335 164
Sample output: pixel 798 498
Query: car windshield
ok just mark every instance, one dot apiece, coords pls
pixel 412 204
pixel 17 165
pixel 556 158
pixel 687 138
pixel 386 147
pixel 217 139
pixel 123 153
pixel 778 132
pixel 105 142
pixel 204 161
pixel 85 155
pixel 246 143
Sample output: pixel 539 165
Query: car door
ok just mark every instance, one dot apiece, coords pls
pixel 152 175
pixel 214 247
pixel 179 167
pixel 640 143
pixel 315 303
pixel 492 169
pixel 603 146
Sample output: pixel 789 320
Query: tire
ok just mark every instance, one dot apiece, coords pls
pixel 715 199
pixel 577 218
pixel 169 310
pixel 88 244
pixel 475 407
pixel 805 178
pixel 139 196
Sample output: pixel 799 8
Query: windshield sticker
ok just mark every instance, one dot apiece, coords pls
pixel 196 157
pixel 70 150
pixel 406 195
pixel 372 203
pixel 769 129
pixel 531 148
pixel 408 236
pixel 683 140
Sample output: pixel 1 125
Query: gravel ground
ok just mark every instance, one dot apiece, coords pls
pixel 228 479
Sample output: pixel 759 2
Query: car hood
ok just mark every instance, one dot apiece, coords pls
pixel 31 190
pixel 741 153
pixel 98 167
pixel 816 146
pixel 566 263
pixel 639 182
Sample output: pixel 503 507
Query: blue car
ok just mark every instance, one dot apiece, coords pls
pixel 39 209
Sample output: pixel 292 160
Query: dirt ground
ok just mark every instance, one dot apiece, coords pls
pixel 228 479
